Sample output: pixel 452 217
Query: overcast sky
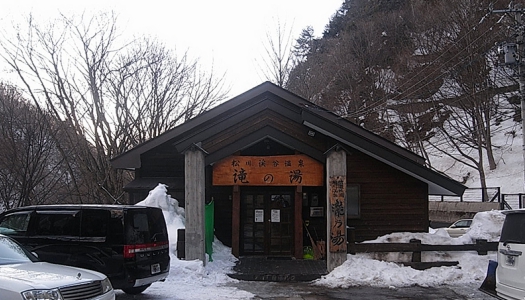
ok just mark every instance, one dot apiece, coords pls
pixel 227 33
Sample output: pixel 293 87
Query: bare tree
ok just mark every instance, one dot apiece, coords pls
pixel 158 91
pixel 113 92
pixel 278 61
pixel 455 82
pixel 31 167
pixel 412 76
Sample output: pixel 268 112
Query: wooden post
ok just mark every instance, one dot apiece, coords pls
pixel 194 187
pixel 298 223
pixel 350 237
pixel 481 245
pixel 336 208
pixel 416 255
pixel 236 220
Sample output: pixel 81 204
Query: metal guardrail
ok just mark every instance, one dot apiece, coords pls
pixel 513 201
pixel 489 194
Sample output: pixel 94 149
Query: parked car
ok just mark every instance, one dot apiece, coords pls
pixel 459 228
pixel 127 243
pixel 511 256
pixel 23 276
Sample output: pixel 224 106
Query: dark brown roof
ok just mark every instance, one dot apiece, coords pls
pixel 301 111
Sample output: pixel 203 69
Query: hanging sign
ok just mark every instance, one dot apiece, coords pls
pixel 337 213
pixel 281 170
pixel 259 216
pixel 276 215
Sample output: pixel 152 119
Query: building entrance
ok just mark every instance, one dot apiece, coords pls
pixel 267 222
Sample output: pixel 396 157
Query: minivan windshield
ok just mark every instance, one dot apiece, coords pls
pixel 146 226
pixel 513 230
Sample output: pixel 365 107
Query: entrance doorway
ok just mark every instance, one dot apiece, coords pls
pixel 267 221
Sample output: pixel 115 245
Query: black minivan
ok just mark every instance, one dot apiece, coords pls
pixel 127 243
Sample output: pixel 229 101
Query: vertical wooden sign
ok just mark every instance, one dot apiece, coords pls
pixel 337 213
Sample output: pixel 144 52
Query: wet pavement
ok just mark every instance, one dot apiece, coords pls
pixel 306 291
pixel 263 290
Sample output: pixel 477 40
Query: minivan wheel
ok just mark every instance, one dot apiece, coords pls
pixel 136 290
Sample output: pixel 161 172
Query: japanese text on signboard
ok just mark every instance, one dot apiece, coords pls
pixel 337 209
pixel 268 170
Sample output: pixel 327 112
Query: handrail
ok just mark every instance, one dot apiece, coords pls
pixel 494 194
pixel 416 247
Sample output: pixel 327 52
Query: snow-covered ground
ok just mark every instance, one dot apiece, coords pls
pixel 508 154
pixel 192 280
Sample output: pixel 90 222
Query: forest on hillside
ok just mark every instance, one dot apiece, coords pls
pixel 428 75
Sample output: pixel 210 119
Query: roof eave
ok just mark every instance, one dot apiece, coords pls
pixel 437 184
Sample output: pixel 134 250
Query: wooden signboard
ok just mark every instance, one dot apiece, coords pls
pixel 337 213
pixel 282 170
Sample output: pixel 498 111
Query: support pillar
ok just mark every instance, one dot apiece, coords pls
pixel 194 187
pixel 298 223
pixel 236 220
pixel 336 208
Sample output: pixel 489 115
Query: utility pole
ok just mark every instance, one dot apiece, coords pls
pixel 515 56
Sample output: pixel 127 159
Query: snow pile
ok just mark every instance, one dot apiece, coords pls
pixel 485 225
pixel 191 279
pixel 360 270
pixel 173 213
pixel 379 269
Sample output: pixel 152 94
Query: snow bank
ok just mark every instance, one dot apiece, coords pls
pixel 173 214
pixel 191 279
pixel 379 269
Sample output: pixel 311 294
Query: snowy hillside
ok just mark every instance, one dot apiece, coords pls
pixel 509 158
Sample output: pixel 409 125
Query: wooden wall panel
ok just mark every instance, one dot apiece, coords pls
pixel 223 198
pixel 162 162
pixel 391 201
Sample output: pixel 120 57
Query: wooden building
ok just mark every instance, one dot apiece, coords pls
pixel 282 172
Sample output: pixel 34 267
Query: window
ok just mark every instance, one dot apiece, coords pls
pixel 15 223
pixel 353 209
pixel 58 223
pixel 146 226
pixel 513 229
pixel 94 224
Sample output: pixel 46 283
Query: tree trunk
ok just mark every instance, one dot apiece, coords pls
pixel 488 142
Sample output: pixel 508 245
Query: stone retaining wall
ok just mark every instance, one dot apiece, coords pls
pixel 450 211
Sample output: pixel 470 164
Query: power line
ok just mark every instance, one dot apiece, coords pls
pixel 383 102
pixel 520 52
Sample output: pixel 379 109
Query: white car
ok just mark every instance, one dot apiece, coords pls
pixel 459 228
pixel 23 277
pixel 511 256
